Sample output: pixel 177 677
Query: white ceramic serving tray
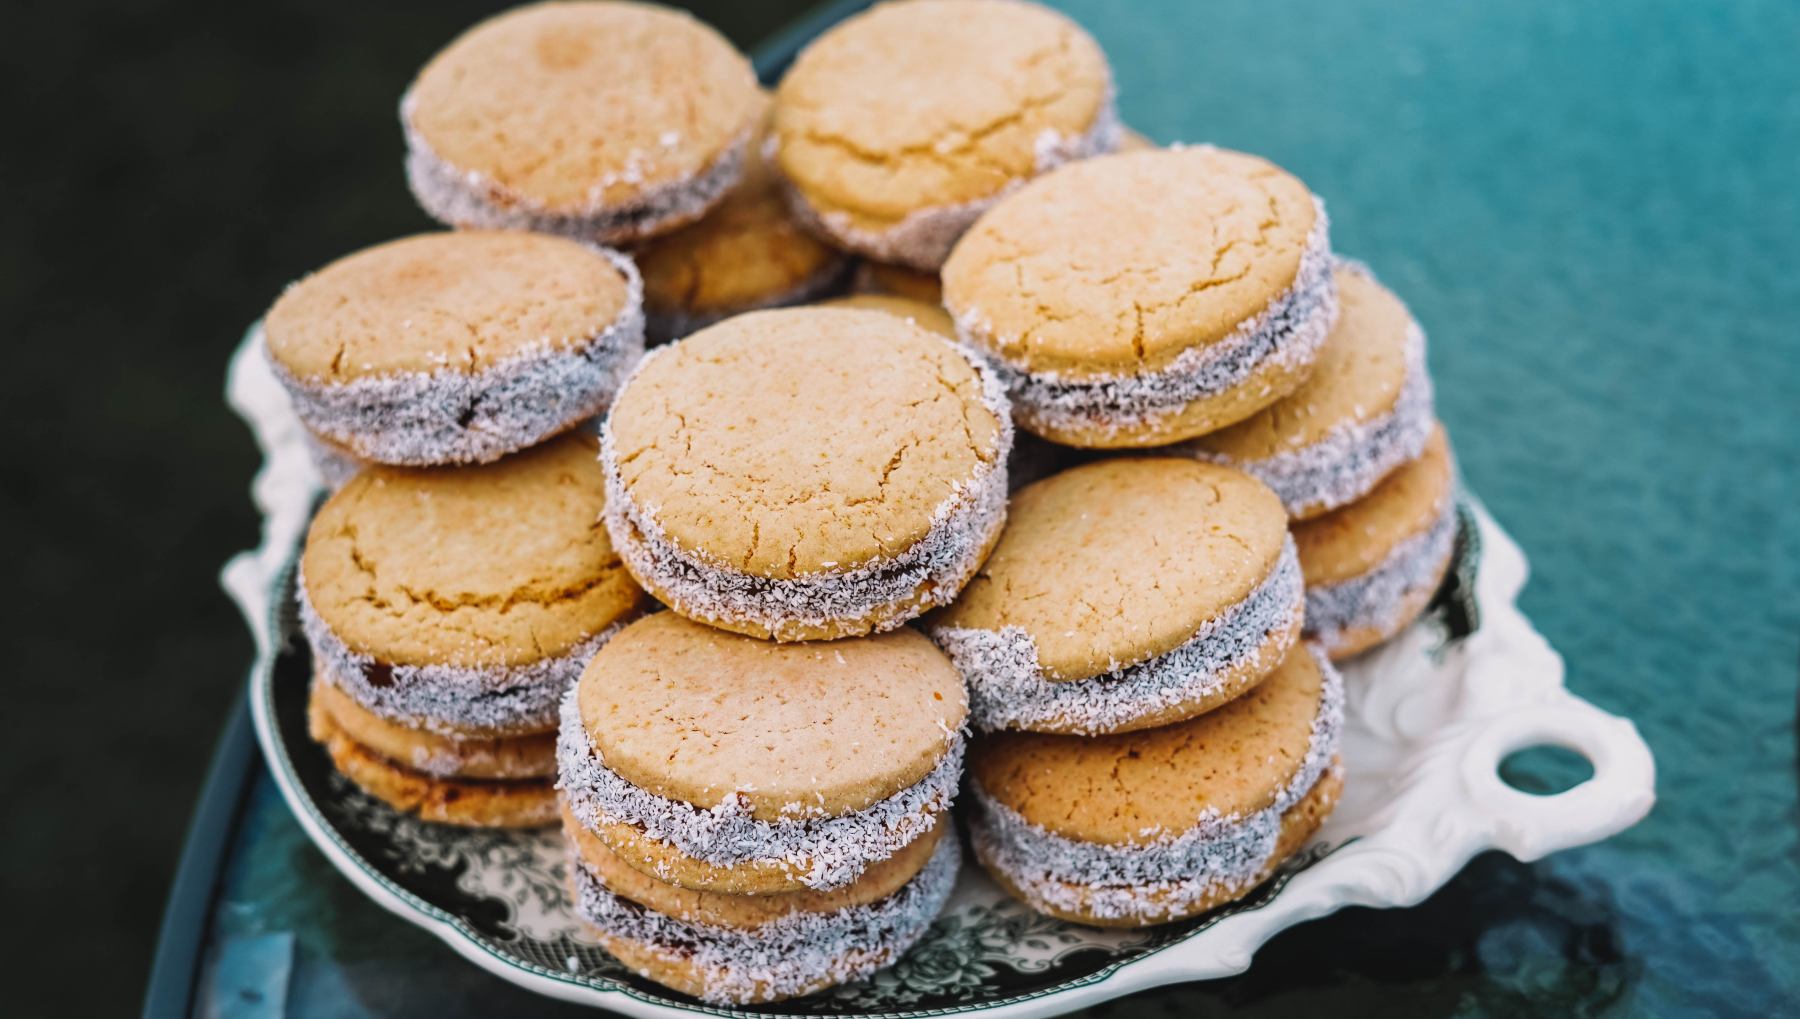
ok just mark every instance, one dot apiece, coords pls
pixel 1429 719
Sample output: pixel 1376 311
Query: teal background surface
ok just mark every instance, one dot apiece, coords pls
pixel 1592 209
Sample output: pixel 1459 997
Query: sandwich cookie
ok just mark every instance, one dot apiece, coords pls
pixel 747 253
pixel 600 121
pixel 455 348
pixel 1147 827
pixel 899 126
pixel 1124 594
pixel 448 611
pixel 807 473
pixel 897 281
pixel 919 313
pixel 1365 410
pixel 720 763
pixel 1371 567
pixel 1148 297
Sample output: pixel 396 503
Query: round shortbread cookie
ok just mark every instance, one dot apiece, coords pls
pixel 466 600
pixel 1147 297
pixel 796 954
pixel 747 253
pixel 778 766
pixel 432 753
pixel 470 803
pixel 898 281
pixel 456 347
pixel 1126 593
pixel 1365 409
pixel 1371 567
pixel 898 126
pixel 1159 824
pixel 600 121
pixel 725 909
pixel 807 473
pixel 930 316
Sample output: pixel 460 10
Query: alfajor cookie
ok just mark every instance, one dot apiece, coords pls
pixel 897 127
pixel 454 348
pixel 721 763
pixel 1371 567
pixel 1124 594
pixel 1148 297
pixel 448 611
pixel 600 121
pixel 1365 409
pixel 897 281
pixel 807 473
pixel 919 313
pixel 1157 825
pixel 747 253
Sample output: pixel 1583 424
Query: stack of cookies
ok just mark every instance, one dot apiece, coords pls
pixel 1235 476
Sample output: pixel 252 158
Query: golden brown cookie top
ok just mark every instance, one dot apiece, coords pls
pixel 443 301
pixel 568 107
pixel 789 442
pixel 930 316
pixel 1118 264
pixel 929 103
pixel 1134 787
pixel 1117 561
pixel 1357 379
pixel 1352 540
pixel 695 714
pixel 1134 141
pixel 501 564
pixel 747 250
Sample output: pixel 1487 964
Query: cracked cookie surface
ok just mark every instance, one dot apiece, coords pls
pixel 437 302
pixel 935 103
pixel 1115 562
pixel 698 715
pixel 792 442
pixel 572 107
pixel 494 566
pixel 1117 265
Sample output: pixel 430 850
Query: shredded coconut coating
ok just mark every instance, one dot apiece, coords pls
pixel 923 238
pixel 1288 332
pixel 1165 875
pixel 885 591
pixel 793 955
pixel 1374 600
pixel 451 699
pixel 1009 690
pixel 335 467
pixel 666 326
pixel 469 198
pixel 823 852
pixel 423 419
pixel 1354 456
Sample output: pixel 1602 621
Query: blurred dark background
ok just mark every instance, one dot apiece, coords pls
pixel 167 168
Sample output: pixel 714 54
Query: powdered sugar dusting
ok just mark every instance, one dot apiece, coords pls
pixel 451 699
pixel 821 851
pixel 794 954
pixel 923 238
pixel 449 416
pixel 1008 688
pixel 1353 456
pixel 1288 332
pixel 702 587
pixel 1169 872
pixel 469 198
pixel 1375 599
